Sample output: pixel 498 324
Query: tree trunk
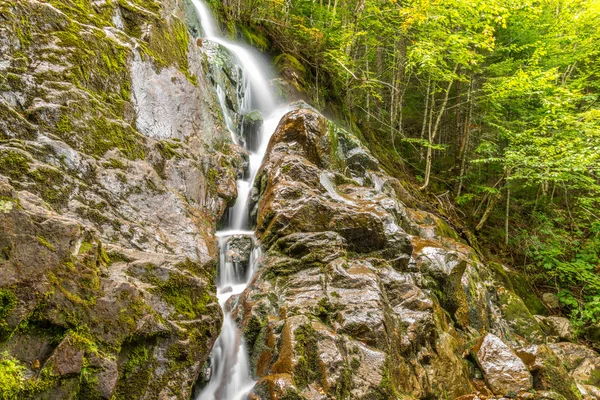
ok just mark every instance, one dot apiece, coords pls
pixel 488 210
pixel 507 214
pixel 464 143
pixel 425 114
pixel 433 133
pixel 368 90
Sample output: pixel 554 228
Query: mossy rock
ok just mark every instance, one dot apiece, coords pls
pixel 517 282
pixel 553 376
pixel 255 37
pixel 518 316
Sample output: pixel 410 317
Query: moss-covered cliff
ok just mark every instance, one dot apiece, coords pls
pixel 110 142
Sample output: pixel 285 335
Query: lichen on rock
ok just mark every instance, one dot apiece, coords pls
pixel 109 128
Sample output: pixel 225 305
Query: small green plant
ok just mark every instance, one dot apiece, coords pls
pixel 11 377
pixel 572 265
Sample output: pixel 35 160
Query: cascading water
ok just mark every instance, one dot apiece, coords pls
pixel 230 374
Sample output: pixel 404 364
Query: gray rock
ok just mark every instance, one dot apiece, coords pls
pixel 551 300
pixel 66 359
pixel 556 326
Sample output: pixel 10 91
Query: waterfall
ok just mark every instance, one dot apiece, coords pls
pixel 260 95
pixel 230 371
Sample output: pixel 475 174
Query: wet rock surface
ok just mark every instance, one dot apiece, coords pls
pixel 505 373
pixel 114 166
pixel 360 296
pixel 239 250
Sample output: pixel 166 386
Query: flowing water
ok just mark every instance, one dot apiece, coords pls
pixel 230 373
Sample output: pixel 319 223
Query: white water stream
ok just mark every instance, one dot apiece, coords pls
pixel 230 370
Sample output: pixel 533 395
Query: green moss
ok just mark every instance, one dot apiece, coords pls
pixel 114 164
pixel 257 39
pixel 85 248
pixel 307 370
pixel 11 377
pixel 291 394
pixel 49 183
pixel 213 178
pixel 107 134
pixel 443 229
pixel 553 376
pixel 13 164
pixel 8 302
pixel 252 331
pixel 93 215
pixel 150 5
pixel 525 291
pixel 289 61
pixel 384 391
pixel 135 372
pixel 64 125
pixel 518 316
pixel 168 149
pixel 41 240
pixel 83 11
pixel 168 45
pixel 326 311
pixel 344 385
pixel 138 356
pixel 82 338
pixel 182 293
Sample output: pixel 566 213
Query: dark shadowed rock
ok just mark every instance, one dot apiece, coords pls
pixel 251 127
pixel 238 252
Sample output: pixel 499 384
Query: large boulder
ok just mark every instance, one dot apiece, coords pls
pixel 548 371
pixel 335 307
pixel 504 372
pixel 360 296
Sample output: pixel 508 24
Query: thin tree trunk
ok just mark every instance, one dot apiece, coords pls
pixel 368 91
pixel 507 213
pixel 488 210
pixel 425 113
pixel 435 131
pixel 400 86
pixel 462 153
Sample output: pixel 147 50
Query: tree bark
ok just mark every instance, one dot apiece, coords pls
pixel 433 133
pixel 425 114
pixel 464 143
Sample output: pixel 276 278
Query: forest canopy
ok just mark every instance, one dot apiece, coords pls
pixel 489 106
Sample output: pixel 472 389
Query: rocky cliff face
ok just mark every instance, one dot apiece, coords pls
pixel 114 166
pixel 361 296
